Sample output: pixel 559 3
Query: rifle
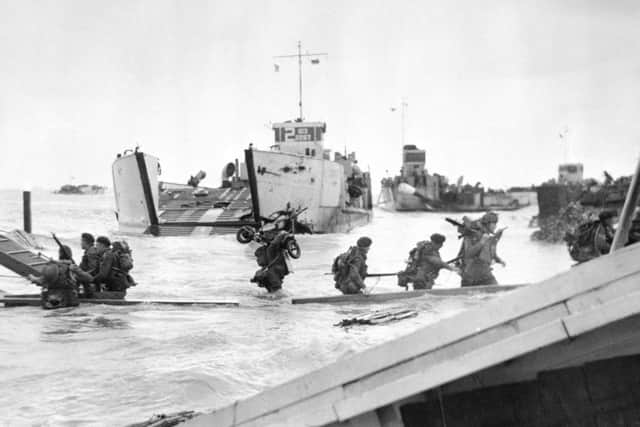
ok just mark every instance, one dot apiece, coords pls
pixel 466 230
pixel 381 274
pixel 463 229
pixel 64 249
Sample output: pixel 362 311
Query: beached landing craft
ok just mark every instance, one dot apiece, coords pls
pixel 299 173
pixel 146 205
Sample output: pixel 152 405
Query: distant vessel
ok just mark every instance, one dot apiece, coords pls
pixel 146 205
pixel 80 189
pixel 417 190
pixel 571 186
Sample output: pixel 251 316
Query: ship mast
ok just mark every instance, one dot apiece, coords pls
pixel 300 55
pixel 403 111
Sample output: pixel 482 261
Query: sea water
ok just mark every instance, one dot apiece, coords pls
pixel 112 365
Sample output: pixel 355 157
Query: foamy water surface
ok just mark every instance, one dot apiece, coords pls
pixel 109 365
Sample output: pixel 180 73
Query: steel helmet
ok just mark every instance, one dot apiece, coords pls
pixel 489 217
pixel 364 242
pixel 438 238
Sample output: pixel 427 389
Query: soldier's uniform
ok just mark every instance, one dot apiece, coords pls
pixel 58 287
pixel 479 252
pixel 424 265
pixel 349 275
pixel 272 259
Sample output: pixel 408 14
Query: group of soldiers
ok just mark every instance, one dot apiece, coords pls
pixel 473 263
pixel 104 269
pixel 102 273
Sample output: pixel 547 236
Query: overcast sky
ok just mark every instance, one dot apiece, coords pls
pixel 489 84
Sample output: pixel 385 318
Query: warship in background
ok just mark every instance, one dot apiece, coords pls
pixel 417 190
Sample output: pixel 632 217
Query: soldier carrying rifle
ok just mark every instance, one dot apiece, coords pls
pixel 478 250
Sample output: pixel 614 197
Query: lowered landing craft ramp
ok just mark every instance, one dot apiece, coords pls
pixel 389 296
pixel 536 356
pixel 18 258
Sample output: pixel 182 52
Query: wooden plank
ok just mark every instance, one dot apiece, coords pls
pixel 387 296
pixel 35 301
pixel 20 251
pixel 596 297
pixel 484 338
pixel 618 339
pixel 224 417
pixel 608 312
pixel 316 411
pixel 441 373
pixel 596 273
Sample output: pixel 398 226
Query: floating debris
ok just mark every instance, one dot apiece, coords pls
pixel 167 420
pixel 378 317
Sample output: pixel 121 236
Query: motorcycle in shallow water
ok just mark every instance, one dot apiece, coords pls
pixel 271 226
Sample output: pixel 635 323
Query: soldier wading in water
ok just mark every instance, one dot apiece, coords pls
pixel 272 257
pixel 350 268
pixel 478 252
pixel 425 264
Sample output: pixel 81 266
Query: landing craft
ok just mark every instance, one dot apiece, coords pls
pixel 144 204
pixel 296 173
pixel 299 172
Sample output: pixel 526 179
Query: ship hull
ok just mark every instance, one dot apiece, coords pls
pixel 473 202
pixel 278 180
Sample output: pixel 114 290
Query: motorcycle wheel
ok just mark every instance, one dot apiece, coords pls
pixel 293 249
pixel 245 234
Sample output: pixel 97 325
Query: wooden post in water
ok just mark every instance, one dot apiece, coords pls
pixel 630 203
pixel 26 210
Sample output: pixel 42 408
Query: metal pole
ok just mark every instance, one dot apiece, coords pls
pixel 402 123
pixel 403 112
pixel 300 78
pixel 26 210
pixel 630 203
